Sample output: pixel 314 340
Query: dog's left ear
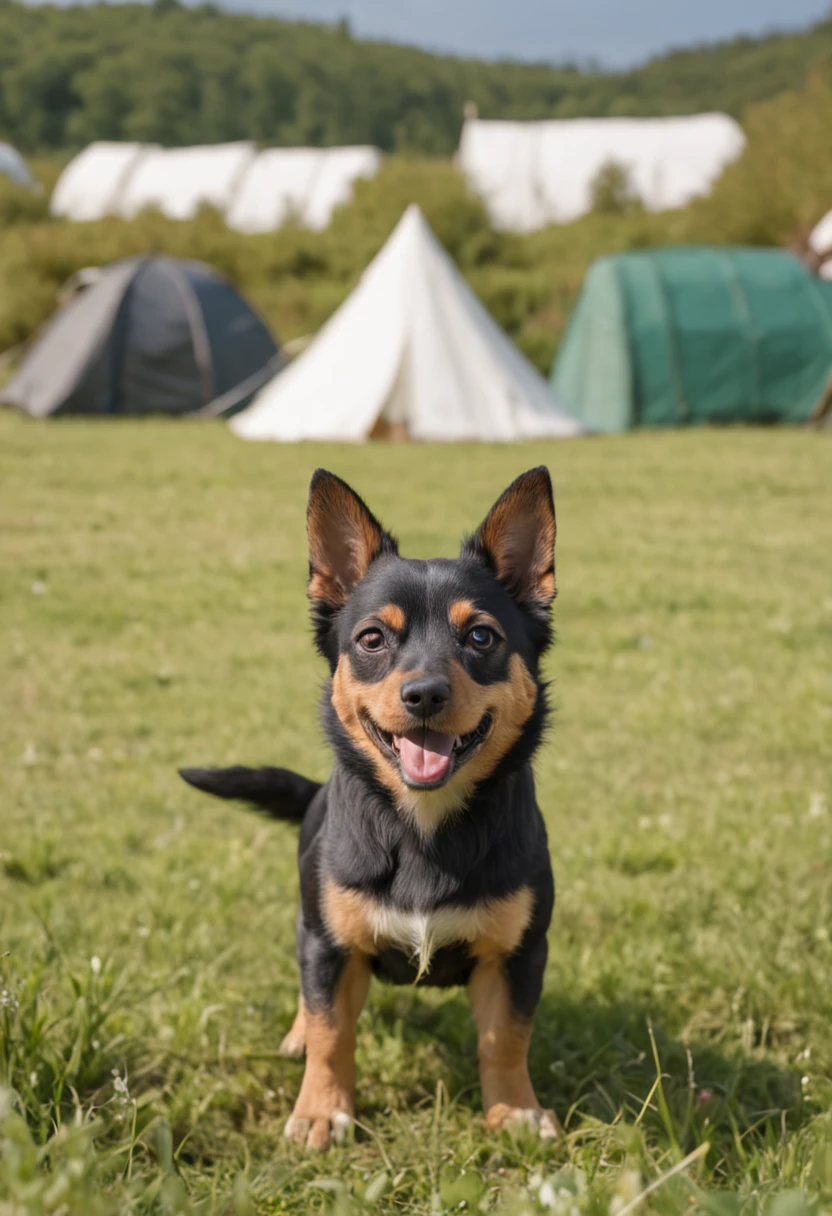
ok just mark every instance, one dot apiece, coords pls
pixel 345 538
pixel 517 540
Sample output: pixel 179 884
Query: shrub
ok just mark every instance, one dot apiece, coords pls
pixel 781 185
pixel 612 190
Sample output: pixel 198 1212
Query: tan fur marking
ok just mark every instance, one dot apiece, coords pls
pixel 504 921
pixel 493 928
pixel 392 616
pixel 502 1048
pixel 464 615
pixel 460 613
pixel 328 1088
pixel 348 918
pixel 320 587
pixel 511 703
pixel 383 703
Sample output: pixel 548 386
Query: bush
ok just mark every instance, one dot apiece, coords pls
pixel 612 190
pixel 781 186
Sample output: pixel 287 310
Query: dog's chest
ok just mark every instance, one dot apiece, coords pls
pixel 492 927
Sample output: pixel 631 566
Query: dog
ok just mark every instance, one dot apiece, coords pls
pixel 423 859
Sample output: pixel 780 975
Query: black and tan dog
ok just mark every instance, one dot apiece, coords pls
pixel 423 858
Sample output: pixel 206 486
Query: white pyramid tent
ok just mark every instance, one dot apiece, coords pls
pixel 411 350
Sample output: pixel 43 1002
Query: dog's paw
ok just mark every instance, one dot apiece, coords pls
pixel 541 1123
pixel 317 1132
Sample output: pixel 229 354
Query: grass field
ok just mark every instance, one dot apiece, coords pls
pixel 152 614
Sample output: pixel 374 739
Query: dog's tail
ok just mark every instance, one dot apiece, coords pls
pixel 277 791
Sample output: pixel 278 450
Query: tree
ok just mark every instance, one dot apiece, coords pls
pixel 612 190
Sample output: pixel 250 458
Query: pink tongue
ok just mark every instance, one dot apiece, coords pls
pixel 425 755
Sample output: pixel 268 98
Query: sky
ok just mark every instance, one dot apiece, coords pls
pixel 616 33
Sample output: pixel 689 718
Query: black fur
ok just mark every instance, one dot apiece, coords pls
pixel 278 791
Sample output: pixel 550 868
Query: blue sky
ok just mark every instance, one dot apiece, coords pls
pixel 616 32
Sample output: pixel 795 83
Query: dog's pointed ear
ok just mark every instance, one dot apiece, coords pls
pixel 345 538
pixel 517 540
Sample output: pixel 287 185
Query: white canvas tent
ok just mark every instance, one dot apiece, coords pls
pixel 305 184
pixel 333 183
pixel 179 180
pixel 274 189
pixel 92 183
pixel 13 166
pixel 538 173
pixel 412 349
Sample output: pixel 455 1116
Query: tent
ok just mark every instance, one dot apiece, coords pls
pixel 305 184
pixel 673 337
pixel 255 192
pixel 92 184
pixel 531 174
pixel 274 189
pixel 13 166
pixel 333 183
pixel 411 351
pixel 151 335
pixel 180 180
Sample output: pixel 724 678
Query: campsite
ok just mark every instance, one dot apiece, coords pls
pixel 237 248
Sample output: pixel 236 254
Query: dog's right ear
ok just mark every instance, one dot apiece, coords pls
pixel 345 538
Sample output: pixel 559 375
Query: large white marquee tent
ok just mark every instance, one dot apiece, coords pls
pixel 256 192
pixel 305 184
pixel 537 173
pixel 180 180
pixel 91 185
pixel 412 351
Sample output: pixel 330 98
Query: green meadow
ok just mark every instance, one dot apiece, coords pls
pixel 152 614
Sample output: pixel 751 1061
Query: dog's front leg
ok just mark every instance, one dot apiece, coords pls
pixel 335 984
pixel 504 994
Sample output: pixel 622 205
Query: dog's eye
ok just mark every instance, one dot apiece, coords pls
pixel 481 638
pixel 372 640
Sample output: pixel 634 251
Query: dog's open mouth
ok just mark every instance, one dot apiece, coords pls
pixel 426 757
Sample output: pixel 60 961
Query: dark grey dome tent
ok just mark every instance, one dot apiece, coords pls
pixel 150 335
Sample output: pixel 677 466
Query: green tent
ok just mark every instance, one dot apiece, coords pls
pixel 681 337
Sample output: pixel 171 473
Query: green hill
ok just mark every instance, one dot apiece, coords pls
pixel 174 75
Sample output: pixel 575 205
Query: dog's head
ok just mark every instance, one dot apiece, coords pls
pixel 435 664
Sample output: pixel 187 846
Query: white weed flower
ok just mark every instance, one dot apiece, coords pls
pixel 817 806
pixel 546 1195
pixel 95 965
pixel 8 1000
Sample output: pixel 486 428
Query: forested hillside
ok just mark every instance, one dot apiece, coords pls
pixel 174 75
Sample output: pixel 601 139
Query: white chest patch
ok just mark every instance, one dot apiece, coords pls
pixel 421 934
pixel 491 928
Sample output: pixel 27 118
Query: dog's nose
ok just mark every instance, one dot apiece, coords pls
pixel 424 696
